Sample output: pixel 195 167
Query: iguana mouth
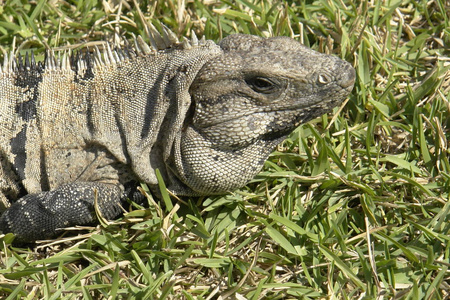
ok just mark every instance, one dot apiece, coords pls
pixel 299 111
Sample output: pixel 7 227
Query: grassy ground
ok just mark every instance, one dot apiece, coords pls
pixel 353 205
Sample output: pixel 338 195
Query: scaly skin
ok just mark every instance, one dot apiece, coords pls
pixel 206 115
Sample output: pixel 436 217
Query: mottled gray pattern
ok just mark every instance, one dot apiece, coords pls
pixel 206 115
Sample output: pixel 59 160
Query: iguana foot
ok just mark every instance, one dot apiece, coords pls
pixel 40 216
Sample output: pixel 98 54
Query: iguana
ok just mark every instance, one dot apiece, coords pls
pixel 86 126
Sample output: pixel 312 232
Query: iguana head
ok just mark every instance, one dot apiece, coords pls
pixel 246 100
pixel 264 88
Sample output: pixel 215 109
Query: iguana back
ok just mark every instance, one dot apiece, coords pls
pixel 205 115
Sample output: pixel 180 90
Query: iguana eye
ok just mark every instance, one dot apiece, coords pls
pixel 261 84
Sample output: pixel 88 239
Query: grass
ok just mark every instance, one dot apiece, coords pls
pixel 353 205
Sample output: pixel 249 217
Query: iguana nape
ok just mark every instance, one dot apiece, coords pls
pixel 206 115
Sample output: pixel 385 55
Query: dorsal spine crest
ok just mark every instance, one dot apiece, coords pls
pixel 110 54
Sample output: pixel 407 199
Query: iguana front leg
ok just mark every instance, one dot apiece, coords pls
pixel 40 216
